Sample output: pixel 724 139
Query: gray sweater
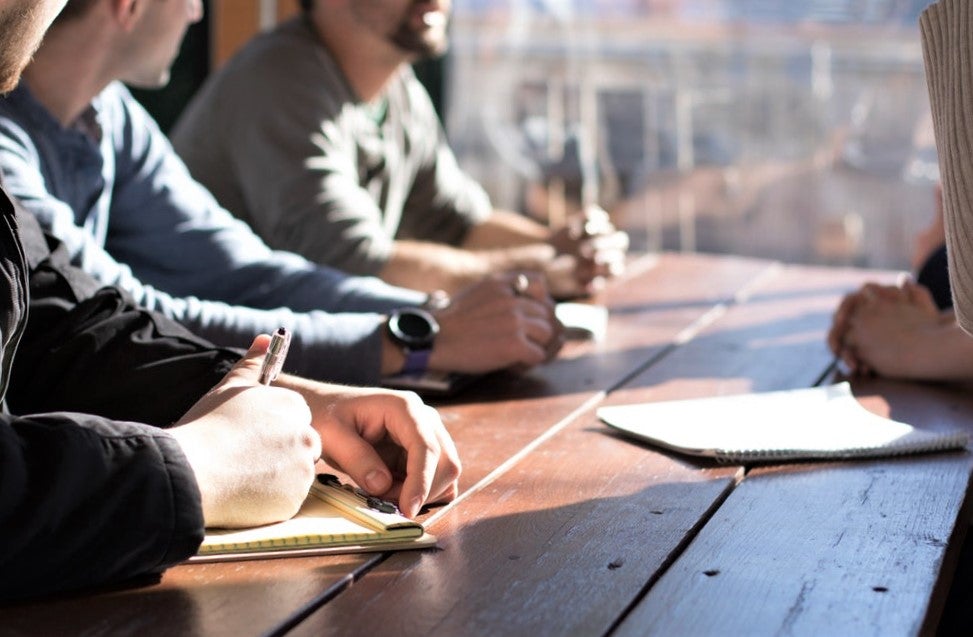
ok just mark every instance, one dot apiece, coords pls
pixel 280 138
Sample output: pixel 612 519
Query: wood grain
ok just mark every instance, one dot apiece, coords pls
pixel 566 528
pixel 571 536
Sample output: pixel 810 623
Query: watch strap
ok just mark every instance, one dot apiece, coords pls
pixel 416 361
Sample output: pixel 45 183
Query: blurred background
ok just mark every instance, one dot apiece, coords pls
pixel 790 130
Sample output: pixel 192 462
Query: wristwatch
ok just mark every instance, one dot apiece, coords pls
pixel 414 330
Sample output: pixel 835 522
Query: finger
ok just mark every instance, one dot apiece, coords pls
pixel 313 442
pixel 834 340
pixel 892 293
pixel 607 269
pixel 601 265
pixel 596 221
pixel 604 260
pixel 528 284
pixel 539 327
pixel 872 292
pixel 851 362
pixel 846 307
pixel 875 292
pixel 448 495
pixel 530 352
pixel 246 371
pixel 422 459
pixel 445 486
pixel 839 322
pixel 921 296
pixel 530 307
pixel 555 344
pixel 614 243
pixel 348 451
pixel 526 344
pixel 868 293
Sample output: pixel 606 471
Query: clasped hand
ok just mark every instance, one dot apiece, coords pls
pixel 492 325
pixel 879 329
pixel 589 250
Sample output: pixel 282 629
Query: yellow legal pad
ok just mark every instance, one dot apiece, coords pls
pixel 334 518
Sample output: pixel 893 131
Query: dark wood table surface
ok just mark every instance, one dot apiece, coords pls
pixel 564 528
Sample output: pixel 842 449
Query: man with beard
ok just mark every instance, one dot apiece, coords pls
pixel 321 138
pixel 122 435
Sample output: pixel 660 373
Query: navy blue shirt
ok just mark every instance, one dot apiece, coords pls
pixel 128 211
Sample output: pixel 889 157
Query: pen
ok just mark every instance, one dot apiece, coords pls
pixel 274 358
pixel 372 502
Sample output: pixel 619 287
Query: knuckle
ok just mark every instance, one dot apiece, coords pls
pixel 401 398
pixel 453 470
pixel 411 400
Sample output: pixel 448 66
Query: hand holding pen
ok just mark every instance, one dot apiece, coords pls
pixel 252 448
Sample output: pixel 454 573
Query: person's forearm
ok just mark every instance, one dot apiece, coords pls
pixel 429 266
pixel 944 354
pixel 504 229
pixel 432 266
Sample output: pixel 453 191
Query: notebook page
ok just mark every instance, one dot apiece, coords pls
pixel 817 422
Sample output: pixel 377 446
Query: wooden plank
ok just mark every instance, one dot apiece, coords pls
pixel 235 22
pixel 772 336
pixel 242 598
pixel 857 550
pixel 570 536
pixel 860 547
pixel 232 24
pixel 561 543
pixel 937 408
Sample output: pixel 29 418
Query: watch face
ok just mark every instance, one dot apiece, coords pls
pixel 413 327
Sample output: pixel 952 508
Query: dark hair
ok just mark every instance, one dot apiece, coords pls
pixel 307 5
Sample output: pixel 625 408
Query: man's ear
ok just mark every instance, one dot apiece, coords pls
pixel 126 12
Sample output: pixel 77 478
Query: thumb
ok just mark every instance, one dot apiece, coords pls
pixel 359 459
pixel 246 371
pixel 921 296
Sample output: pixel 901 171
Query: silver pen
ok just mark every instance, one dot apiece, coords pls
pixel 274 358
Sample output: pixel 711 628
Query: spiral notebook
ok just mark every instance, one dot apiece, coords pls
pixel 817 423
pixel 335 518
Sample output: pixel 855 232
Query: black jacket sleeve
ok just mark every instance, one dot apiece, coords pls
pixel 90 349
pixel 90 492
pixel 86 501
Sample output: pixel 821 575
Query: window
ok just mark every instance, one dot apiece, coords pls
pixel 787 130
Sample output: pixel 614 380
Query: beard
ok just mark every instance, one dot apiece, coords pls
pixel 430 42
pixel 20 35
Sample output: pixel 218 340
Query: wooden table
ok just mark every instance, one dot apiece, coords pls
pixel 566 528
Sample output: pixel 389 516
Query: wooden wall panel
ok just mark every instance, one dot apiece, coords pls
pixel 233 22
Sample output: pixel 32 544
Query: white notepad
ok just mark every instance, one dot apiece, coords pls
pixel 583 320
pixel 821 422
